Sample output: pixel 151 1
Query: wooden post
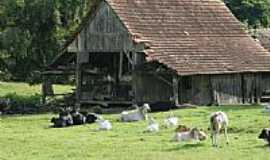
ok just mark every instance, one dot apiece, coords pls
pixel 78 79
pixel 116 75
pixel 176 90
pixel 258 88
pixel 180 90
pixel 134 78
pixel 215 94
pixel 120 65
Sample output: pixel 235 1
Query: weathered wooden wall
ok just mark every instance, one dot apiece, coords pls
pixel 251 85
pixel 195 89
pixel 265 81
pixel 226 89
pixel 103 33
pixel 150 88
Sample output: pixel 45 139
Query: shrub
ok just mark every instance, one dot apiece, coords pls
pixel 23 104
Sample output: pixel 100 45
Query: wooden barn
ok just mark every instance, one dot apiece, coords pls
pixel 174 51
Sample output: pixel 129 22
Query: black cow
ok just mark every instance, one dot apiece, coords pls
pixel 265 134
pixel 64 119
pixel 90 117
pixel 78 118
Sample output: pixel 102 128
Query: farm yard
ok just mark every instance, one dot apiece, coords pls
pixel 127 60
pixel 30 137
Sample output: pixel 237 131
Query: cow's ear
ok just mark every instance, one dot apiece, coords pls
pixel 268 133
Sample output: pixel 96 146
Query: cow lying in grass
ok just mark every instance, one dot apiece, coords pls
pixel 265 135
pixel 64 119
pixel 171 121
pixel 140 113
pixel 185 134
pixel 153 126
pixel 103 125
pixel 218 121
pixel 78 118
pixel 68 117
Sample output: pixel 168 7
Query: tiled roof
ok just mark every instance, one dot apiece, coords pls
pixel 192 36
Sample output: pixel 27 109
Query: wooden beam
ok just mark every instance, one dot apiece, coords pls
pixel 258 88
pixel 180 88
pixel 134 78
pixel 59 72
pixel 78 79
pixel 163 79
pixel 128 57
pixel 176 90
pixel 121 65
pixel 105 103
pixel 215 93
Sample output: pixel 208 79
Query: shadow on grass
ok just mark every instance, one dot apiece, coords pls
pixel 265 146
pixel 186 147
pixel 234 107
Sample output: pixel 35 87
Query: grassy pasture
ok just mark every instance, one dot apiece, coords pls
pixel 30 138
pixel 26 90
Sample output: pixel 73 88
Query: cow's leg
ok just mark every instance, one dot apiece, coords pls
pixel 216 138
pixel 212 136
pixel 226 134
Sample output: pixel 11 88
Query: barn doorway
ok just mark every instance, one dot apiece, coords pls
pixel 107 77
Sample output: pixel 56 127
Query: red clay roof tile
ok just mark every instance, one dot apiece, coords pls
pixel 192 36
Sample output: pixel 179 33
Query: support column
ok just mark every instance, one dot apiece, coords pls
pixel 78 80
pixel 120 65
pixel 176 90
pixel 134 77
pixel 258 88
pixel 180 89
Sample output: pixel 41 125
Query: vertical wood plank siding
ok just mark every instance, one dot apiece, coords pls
pixel 105 33
pixel 226 89
pixel 196 89
pixel 151 89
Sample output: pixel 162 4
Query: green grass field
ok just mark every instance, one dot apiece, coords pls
pixel 24 89
pixel 30 138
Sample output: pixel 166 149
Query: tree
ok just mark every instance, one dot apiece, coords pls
pixel 256 13
pixel 32 32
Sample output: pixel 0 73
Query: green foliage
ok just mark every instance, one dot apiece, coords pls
pixel 31 138
pixel 32 32
pixel 23 104
pixel 25 98
pixel 256 13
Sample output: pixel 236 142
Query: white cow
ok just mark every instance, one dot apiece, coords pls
pixel 140 113
pixel 267 108
pixel 194 135
pixel 103 124
pixel 171 121
pixel 153 126
pixel 218 120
